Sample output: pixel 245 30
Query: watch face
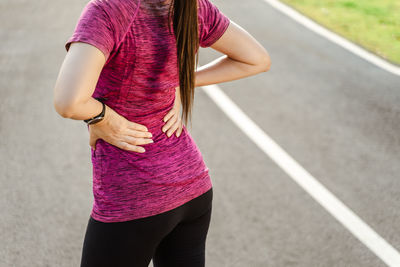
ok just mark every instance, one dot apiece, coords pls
pixel 95 120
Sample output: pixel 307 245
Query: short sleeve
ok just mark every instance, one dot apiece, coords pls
pixel 94 27
pixel 212 23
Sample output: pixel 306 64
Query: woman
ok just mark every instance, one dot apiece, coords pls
pixel 129 70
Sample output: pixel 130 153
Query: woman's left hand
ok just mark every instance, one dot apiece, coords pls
pixel 173 120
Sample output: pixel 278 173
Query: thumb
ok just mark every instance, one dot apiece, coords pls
pixel 91 144
pixel 92 141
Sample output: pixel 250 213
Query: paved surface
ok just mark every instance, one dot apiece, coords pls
pixel 335 113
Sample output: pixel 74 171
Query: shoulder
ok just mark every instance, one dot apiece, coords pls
pixel 205 5
pixel 119 14
pixel 200 6
pixel 202 10
pixel 207 10
pixel 117 9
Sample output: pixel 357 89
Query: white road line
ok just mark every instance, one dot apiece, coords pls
pixel 310 24
pixel 333 205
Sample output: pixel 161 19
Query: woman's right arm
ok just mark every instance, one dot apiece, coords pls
pixel 73 99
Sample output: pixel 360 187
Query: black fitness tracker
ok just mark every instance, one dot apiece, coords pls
pixel 99 117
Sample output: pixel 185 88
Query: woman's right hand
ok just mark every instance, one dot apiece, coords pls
pixel 120 132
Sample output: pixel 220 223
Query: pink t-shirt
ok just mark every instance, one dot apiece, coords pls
pixel 138 81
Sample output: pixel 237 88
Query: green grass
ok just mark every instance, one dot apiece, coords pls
pixel 372 24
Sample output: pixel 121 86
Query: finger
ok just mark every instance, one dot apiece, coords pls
pixel 137 127
pixel 129 147
pixel 93 143
pixel 169 123
pixel 168 116
pixel 179 131
pixel 92 140
pixel 172 129
pixel 136 141
pixel 135 133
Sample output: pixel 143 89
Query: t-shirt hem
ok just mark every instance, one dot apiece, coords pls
pixel 92 42
pixel 205 185
pixel 216 36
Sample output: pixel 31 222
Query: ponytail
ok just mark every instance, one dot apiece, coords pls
pixel 185 25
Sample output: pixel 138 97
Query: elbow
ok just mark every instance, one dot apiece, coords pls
pixel 266 64
pixel 63 108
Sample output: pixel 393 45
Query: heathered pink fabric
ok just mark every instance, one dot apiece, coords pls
pixel 139 80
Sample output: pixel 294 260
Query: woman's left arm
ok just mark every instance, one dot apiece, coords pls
pixel 244 57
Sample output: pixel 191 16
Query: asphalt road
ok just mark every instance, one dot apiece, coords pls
pixel 335 113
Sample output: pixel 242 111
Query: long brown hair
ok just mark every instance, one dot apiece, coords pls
pixel 185 25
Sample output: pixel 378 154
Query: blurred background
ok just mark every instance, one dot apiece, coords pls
pixel 334 112
pixel 372 24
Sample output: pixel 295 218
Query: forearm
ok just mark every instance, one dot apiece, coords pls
pixel 83 110
pixel 224 69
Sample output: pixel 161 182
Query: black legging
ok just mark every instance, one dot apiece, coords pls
pixel 175 238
